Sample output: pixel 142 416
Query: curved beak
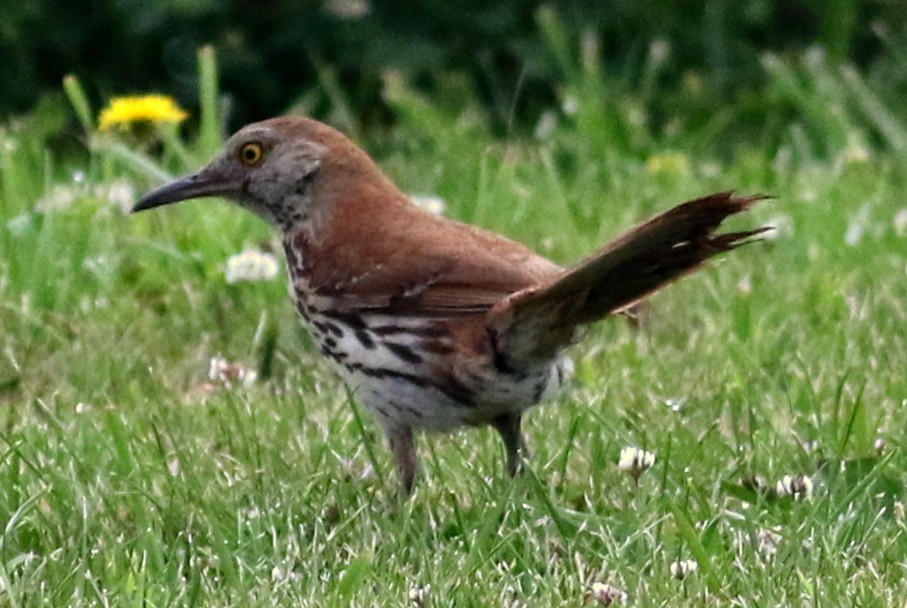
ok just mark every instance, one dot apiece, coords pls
pixel 199 185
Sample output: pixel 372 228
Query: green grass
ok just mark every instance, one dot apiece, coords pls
pixel 126 479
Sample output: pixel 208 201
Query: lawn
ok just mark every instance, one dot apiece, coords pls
pixel 129 476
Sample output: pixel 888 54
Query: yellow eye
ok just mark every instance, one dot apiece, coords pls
pixel 250 154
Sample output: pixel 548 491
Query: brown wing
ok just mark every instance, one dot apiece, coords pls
pixel 400 259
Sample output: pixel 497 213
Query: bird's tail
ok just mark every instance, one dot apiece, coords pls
pixel 535 323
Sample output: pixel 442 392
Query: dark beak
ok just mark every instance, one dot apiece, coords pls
pixel 194 186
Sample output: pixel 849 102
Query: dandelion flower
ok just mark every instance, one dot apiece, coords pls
pixel 683 568
pixel 251 266
pixel 668 163
pixel 123 111
pixel 606 594
pixel 635 461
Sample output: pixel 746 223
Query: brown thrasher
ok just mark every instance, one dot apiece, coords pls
pixel 435 324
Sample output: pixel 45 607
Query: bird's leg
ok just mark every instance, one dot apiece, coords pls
pixel 508 427
pixel 403 447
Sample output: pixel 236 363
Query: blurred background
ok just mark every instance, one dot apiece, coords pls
pixel 831 67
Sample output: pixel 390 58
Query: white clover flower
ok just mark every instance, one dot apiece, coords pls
pixel 174 467
pixel 606 594
pixel 8 144
pixel 856 229
pixel 432 204
pixel 570 105
pixel 635 461
pixel 60 198
pixel 227 373
pixel 811 446
pixel 659 50
pixel 856 152
pixel 419 595
pixel 251 265
pixel 745 285
pixel 900 222
pixel 119 193
pixel 279 574
pixel 767 542
pixel 250 514
pixel 546 125
pixel 797 486
pixel 675 404
pixel 683 568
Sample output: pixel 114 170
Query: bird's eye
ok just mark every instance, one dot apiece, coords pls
pixel 251 154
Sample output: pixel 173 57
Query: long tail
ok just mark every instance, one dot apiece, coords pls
pixel 535 323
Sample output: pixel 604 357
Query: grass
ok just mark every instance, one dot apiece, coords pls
pixel 128 478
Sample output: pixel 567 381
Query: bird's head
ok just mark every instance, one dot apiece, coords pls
pixel 279 169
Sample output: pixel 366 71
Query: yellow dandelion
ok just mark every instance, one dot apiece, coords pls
pixel 668 163
pixel 124 111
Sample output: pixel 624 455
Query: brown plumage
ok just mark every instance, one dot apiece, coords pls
pixel 433 323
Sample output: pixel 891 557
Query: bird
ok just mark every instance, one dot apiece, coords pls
pixel 435 324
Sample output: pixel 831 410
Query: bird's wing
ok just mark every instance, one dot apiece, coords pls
pixel 422 265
